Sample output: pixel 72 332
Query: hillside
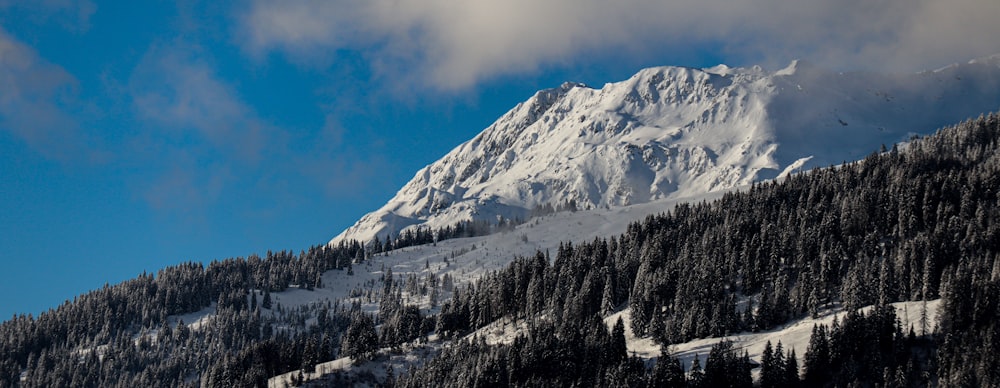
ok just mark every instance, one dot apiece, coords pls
pixel 909 224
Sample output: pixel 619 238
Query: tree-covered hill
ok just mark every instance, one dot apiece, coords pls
pixel 915 222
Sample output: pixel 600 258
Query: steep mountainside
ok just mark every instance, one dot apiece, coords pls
pixel 668 132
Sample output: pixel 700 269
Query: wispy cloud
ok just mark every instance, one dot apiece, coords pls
pixel 454 44
pixel 210 146
pixel 338 169
pixel 38 103
pixel 198 137
pixel 178 91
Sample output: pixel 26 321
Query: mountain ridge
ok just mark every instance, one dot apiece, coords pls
pixel 676 131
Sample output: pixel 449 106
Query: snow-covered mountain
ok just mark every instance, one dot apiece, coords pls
pixel 669 132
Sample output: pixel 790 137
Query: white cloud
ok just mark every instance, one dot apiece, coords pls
pixel 457 43
pixel 178 91
pixel 207 146
pixel 199 138
pixel 36 98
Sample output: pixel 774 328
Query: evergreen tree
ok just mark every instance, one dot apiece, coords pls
pixel 779 363
pixel 696 376
pixel 266 303
pixel 791 370
pixel 618 349
pixel 667 372
pixel 726 368
pixel 607 297
pixel 361 341
pixel 769 373
pixel 817 360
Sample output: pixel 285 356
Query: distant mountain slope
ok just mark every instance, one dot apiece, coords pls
pixel 670 131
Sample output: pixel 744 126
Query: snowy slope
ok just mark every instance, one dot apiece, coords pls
pixel 669 132
pixel 468 259
pixel 465 259
pixel 793 335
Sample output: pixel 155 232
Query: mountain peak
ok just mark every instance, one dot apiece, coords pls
pixel 566 86
pixel 796 66
pixel 669 132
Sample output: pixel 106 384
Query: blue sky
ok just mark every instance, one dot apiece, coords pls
pixel 137 135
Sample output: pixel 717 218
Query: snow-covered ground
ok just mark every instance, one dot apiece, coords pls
pixel 464 259
pixel 400 360
pixel 467 259
pixel 793 335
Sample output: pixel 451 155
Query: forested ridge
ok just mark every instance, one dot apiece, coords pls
pixel 913 224
pixel 97 339
pixel 917 222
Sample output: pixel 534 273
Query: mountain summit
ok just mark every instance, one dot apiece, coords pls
pixel 673 132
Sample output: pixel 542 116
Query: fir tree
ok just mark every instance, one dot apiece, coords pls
pixel 791 370
pixel 817 360
pixel 696 376
pixel 618 350
pixel 769 374
pixel 361 340
pixel 266 303
pixel 667 372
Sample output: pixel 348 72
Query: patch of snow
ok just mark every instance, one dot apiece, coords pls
pixel 793 335
pixel 195 320
pixel 794 167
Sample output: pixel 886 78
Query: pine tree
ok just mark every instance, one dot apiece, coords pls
pixel 619 351
pixel 266 303
pixel 696 376
pixel 887 283
pixel 607 297
pixel 779 362
pixel 667 372
pixel 768 371
pixel 310 354
pixel 361 340
pixel 924 322
pixel 813 303
pixel 181 332
pixel 791 370
pixel 726 368
pixel 817 360
pixel 929 289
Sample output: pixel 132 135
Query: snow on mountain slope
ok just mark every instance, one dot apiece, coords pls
pixel 669 132
pixel 463 259
pixel 793 335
